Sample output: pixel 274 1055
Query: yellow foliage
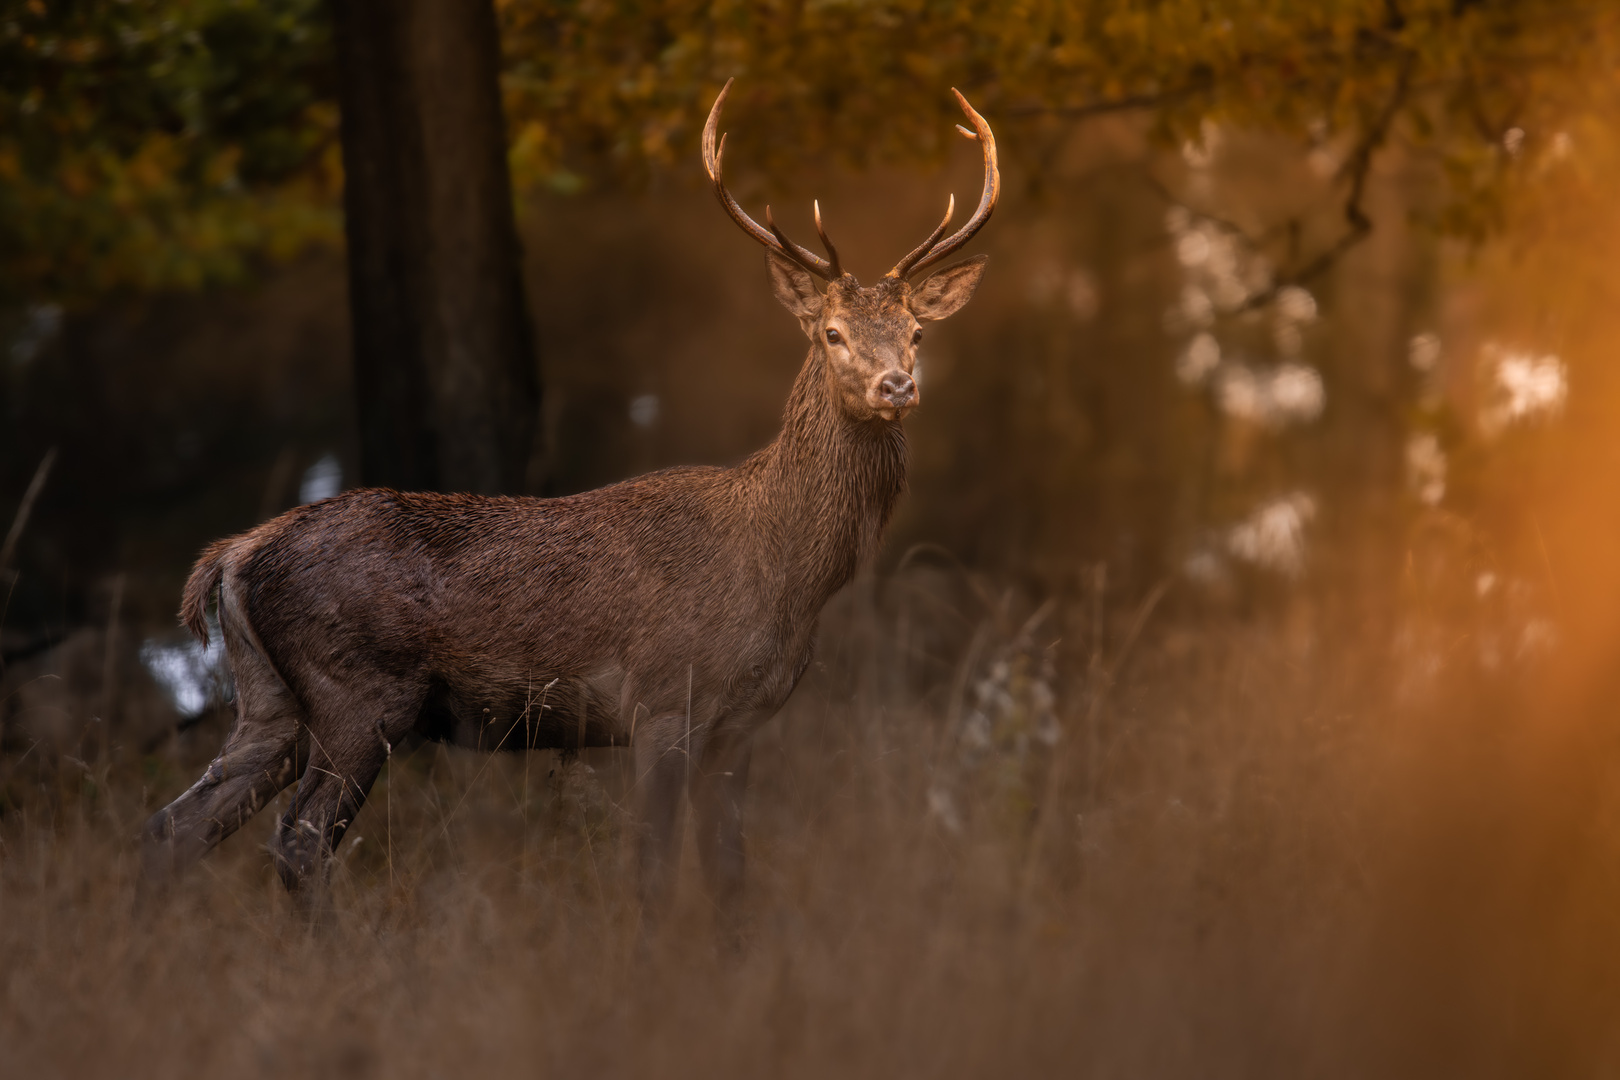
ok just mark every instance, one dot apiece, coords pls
pixel 199 133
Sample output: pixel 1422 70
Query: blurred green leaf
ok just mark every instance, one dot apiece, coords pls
pixel 159 144
pixel 155 144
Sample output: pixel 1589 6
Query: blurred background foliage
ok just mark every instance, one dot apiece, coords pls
pixel 159 145
pixel 156 144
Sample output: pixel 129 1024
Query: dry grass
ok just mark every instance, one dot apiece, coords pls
pixel 1194 880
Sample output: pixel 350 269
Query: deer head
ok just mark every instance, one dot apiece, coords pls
pixel 867 335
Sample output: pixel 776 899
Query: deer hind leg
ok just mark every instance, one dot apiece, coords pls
pixel 719 786
pixel 259 759
pixel 349 739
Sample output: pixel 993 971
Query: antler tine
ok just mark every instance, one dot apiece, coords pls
pixel 803 256
pixel 987 201
pixel 832 252
pixel 772 238
pixel 903 267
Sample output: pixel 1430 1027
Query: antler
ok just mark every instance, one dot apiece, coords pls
pixel 771 236
pixel 927 254
pixel 904 266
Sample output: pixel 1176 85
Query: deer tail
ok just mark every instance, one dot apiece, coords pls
pixel 200 587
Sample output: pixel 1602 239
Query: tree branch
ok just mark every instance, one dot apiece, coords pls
pixel 1112 105
pixel 1356 169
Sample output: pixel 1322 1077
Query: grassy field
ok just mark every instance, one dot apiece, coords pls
pixel 986 839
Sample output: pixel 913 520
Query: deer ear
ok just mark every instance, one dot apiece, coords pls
pixel 943 294
pixel 795 288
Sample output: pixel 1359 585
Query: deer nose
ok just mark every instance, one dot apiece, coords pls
pixel 897 389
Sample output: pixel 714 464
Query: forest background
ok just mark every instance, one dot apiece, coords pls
pixel 1250 624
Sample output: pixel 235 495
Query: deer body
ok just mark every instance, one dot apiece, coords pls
pixel 672 613
pixel 620 593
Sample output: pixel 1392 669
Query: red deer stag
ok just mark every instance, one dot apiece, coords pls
pixel 675 612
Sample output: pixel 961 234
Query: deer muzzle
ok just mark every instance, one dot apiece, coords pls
pixel 894 395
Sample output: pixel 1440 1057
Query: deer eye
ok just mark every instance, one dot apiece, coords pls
pixel 833 337
pixel 916 336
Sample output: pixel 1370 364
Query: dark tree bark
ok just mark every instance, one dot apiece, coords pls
pixel 445 375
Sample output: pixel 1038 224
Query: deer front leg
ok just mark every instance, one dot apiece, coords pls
pixel 719 786
pixel 662 764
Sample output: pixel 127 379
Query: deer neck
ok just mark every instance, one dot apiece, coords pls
pixel 829 485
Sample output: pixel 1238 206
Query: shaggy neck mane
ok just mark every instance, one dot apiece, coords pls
pixel 827 485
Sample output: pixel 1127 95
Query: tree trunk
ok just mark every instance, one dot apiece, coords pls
pixel 445 375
